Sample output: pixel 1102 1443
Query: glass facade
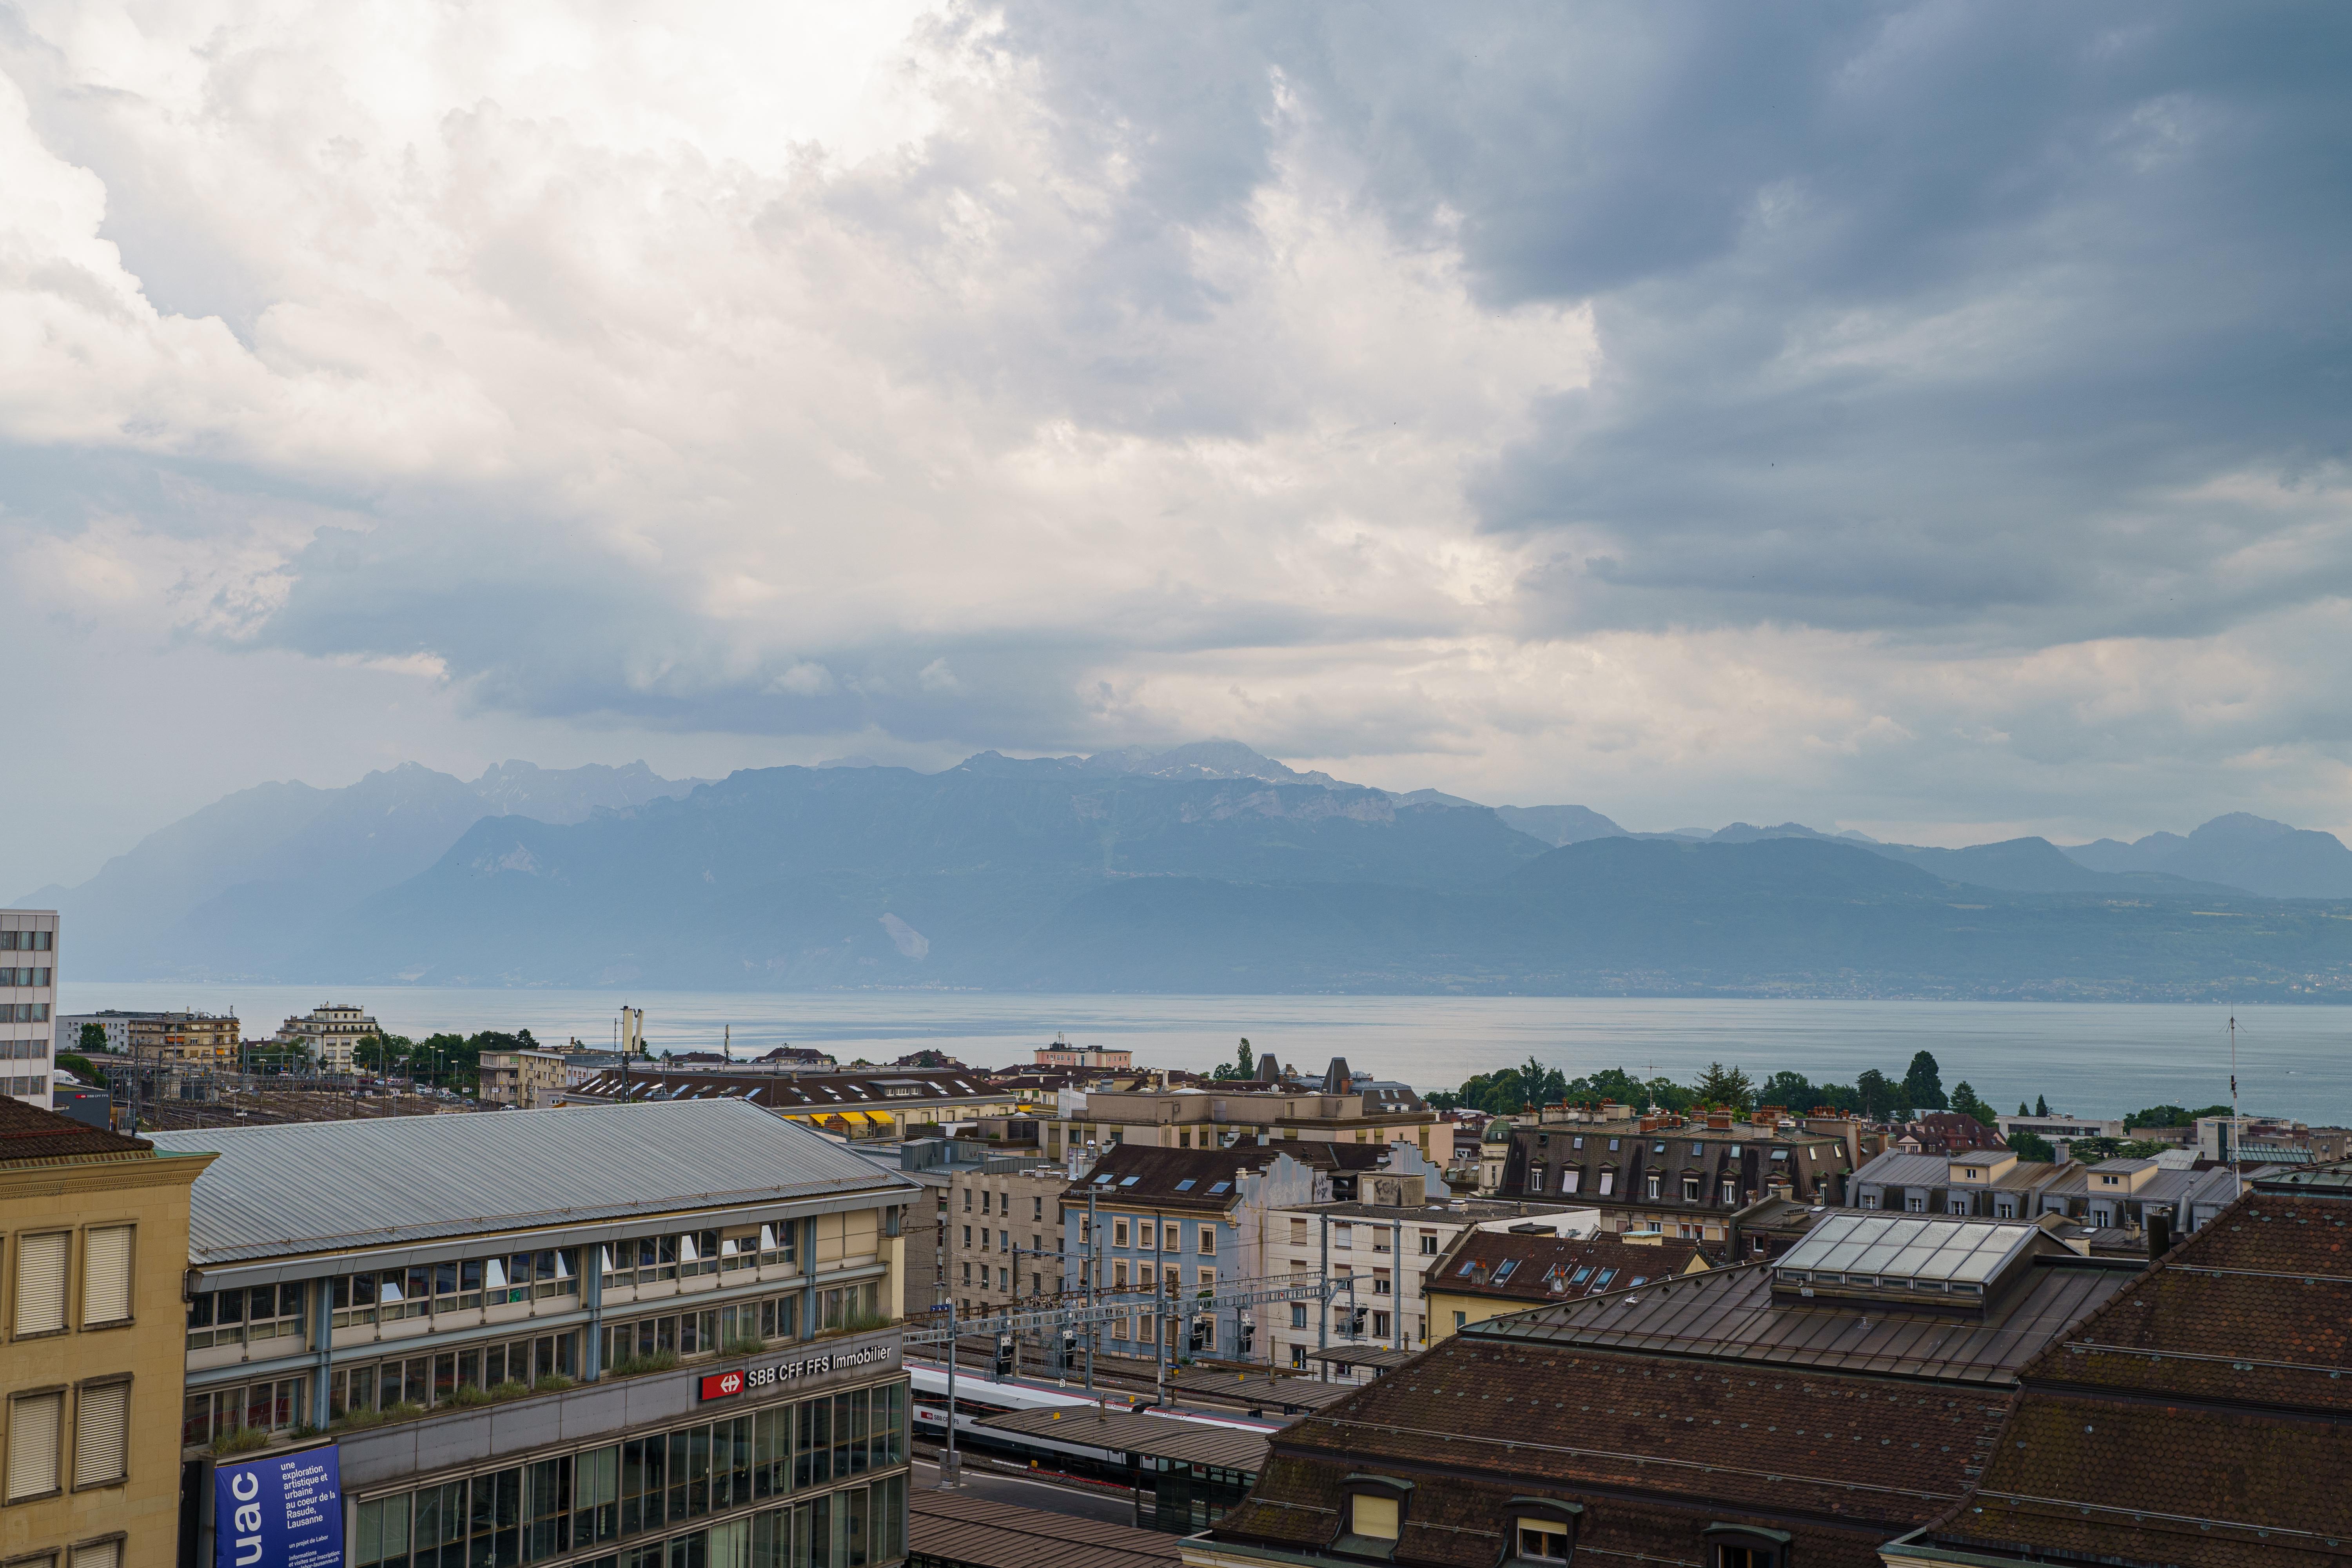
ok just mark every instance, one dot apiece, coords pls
pixel 614 1494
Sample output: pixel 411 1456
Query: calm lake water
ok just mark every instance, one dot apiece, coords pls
pixel 2087 1059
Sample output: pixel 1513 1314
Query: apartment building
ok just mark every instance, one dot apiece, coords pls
pixel 28 994
pixel 1383 1239
pixel 1002 1243
pixel 1683 1177
pixel 571 1336
pixel 885 1105
pixel 93 1236
pixel 2123 1194
pixel 1344 1107
pixel 210 1041
pixel 1062 1054
pixel 333 1033
pixel 1173 1225
pixel 524 1081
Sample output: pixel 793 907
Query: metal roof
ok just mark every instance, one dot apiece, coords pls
pixel 327 1187
pixel 980 1532
pixel 1158 1437
pixel 1260 1391
pixel 1732 1314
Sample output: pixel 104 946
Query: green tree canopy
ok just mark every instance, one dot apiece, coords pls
pixel 1243 1067
pixel 1879 1095
pixel 1728 1088
pixel 1965 1101
pixel 2172 1116
pixel 2032 1146
pixel 93 1037
pixel 2041 1106
pixel 1923 1084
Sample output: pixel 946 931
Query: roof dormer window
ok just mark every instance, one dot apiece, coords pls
pixel 1542 1532
pixel 1371 1516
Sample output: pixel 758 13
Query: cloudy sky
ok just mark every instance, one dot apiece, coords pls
pixel 1924 419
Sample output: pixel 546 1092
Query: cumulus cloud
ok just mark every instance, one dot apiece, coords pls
pixel 1896 416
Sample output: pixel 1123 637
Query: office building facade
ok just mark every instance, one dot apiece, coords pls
pixel 28 995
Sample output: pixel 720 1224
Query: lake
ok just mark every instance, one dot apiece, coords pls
pixel 2087 1059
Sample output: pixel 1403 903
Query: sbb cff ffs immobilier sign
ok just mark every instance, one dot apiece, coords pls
pixel 721 1385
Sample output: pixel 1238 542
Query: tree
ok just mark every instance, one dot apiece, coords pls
pixel 1878 1094
pixel 2041 1106
pixel 93 1038
pixel 1728 1088
pixel 1965 1101
pixel 1243 1067
pixel 79 1066
pixel 1923 1085
pixel 2032 1146
pixel 2022 1109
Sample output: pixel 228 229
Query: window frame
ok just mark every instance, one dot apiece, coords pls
pixel 1392 1489
pixel 130 1281
pixel 1772 1545
pixel 82 1390
pixel 1567 1515
pixel 15 1399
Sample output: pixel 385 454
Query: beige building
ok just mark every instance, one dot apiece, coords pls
pixel 1003 1240
pixel 1062 1054
pixel 28 994
pixel 93 1240
pixel 1345 1109
pixel 524 1081
pixel 332 1032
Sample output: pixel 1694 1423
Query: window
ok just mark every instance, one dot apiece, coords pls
pixel 1535 1178
pixel 35 1423
pixel 1570 1180
pixel 1146 1236
pixel 102 1435
pixel 1342 1237
pixel 1649 1186
pixel 1916 1204
pixel 1208 1240
pixel 41 1284
pixel 1743 1546
pixel 1870 1200
pixel 1299 1314
pixel 1374 1518
pixel 1730 1194
pixel 98 1555
pixel 1608 1182
pixel 1429 1244
pixel 1297 1233
pixel 1543 1539
pixel 106 1277
pixel 1036 1209
pixel 1461 1319
pixel 1118 1232
pixel 1690 1189
pixel 967 1200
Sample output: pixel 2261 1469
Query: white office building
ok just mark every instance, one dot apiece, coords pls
pixel 28 995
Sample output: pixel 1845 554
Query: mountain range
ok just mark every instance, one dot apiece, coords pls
pixel 1205 867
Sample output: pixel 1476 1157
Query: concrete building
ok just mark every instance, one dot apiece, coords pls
pixel 1684 1177
pixel 94 1232
pixel 1385 1238
pixel 523 1080
pixel 332 1032
pixel 208 1040
pixel 2059 1127
pixel 1003 1241
pixel 1345 1107
pixel 1062 1054
pixel 28 995
pixel 1994 1184
pixel 670 1332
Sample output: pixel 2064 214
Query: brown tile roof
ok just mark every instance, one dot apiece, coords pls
pixel 2198 1417
pixel 1655 1449
pixel 29 1135
pixel 1143 1173
pixel 1731 1313
pixel 960 1528
pixel 1500 1265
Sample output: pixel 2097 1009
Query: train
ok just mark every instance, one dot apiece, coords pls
pixel 977 1399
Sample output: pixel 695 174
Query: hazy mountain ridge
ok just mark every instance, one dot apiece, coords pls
pixel 1206 866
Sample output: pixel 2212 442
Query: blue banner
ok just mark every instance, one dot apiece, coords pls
pixel 282 1511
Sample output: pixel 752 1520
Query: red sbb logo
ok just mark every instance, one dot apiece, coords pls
pixel 720 1384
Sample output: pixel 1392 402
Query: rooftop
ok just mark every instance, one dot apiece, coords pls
pixel 1909 1252
pixel 885 1088
pixel 1538 1269
pixel 1130 1432
pixel 1734 1314
pixel 321 1186
pixel 1171 1178
pixel 32 1136
pixel 958 1527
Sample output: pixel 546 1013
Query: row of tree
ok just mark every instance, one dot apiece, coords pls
pixel 444 1060
pixel 1873 1094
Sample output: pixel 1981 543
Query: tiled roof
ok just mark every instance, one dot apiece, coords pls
pixel 1171 1178
pixel 2198 1417
pixel 29 1135
pixel 1537 1269
pixel 1131 1432
pixel 284 1191
pixel 1655 1449
pixel 1732 1314
pixel 908 1089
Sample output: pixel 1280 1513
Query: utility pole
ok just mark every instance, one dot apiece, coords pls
pixel 2236 1125
pixel 1396 1279
pixel 1323 1312
pixel 1161 1328
pixel 1092 1263
pixel 949 1470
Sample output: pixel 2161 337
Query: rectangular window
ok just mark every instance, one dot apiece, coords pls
pixel 1649 1186
pixel 1374 1518
pixel 1690 1189
pixel 106 1277
pixel 36 1427
pixel 41 1283
pixel 1343 1237
pixel 1543 1540
pixel 1208 1240
pixel 102 1435
pixel 1118 1232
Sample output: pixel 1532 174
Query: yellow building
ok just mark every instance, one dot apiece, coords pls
pixel 93 1243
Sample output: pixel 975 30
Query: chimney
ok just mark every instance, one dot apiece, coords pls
pixel 2159 1233
pixel 1718 1121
